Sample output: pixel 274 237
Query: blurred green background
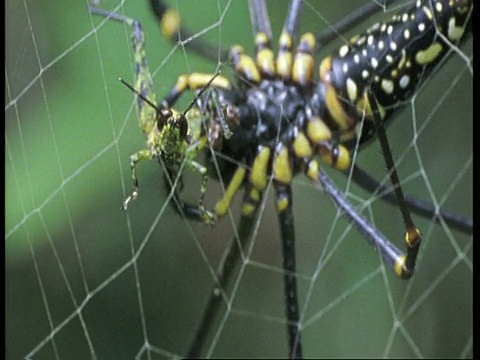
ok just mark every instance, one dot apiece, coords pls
pixel 84 279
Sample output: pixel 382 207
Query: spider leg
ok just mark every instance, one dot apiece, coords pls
pixel 390 253
pixel 287 230
pixel 418 206
pixel 292 21
pixel 405 266
pixel 263 38
pixel 259 18
pixel 286 66
pixel 166 15
pixel 257 182
pixel 169 21
pixel 192 82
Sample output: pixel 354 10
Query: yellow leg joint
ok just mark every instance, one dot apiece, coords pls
pixel 244 64
pixel 412 237
pixel 343 158
pixel 313 170
pixel 249 207
pixel 265 57
pixel 338 158
pixel 282 204
pixel 285 57
pixel 304 63
pixel 400 266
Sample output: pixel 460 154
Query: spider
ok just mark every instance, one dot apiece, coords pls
pixel 281 117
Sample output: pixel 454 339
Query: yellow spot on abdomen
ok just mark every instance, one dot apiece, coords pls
pixel 454 32
pixel 429 54
pixel 387 86
pixel 351 89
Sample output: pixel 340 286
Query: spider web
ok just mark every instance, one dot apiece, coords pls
pixel 85 280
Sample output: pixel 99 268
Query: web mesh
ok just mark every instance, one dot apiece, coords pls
pixel 84 279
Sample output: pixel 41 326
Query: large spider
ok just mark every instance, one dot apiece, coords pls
pixel 277 117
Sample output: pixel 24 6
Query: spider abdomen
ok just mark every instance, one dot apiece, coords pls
pixel 392 59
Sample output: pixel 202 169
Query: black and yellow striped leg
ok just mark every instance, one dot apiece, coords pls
pixel 192 82
pixel 287 230
pixel 259 18
pixel 406 266
pixel 389 252
pixel 263 38
pixel 284 61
